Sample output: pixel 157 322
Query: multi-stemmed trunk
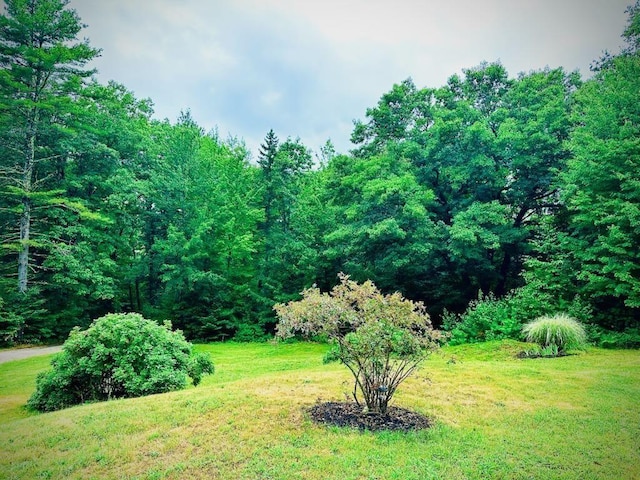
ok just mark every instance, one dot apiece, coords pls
pixel 377 379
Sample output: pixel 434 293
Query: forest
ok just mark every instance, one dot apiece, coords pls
pixel 493 199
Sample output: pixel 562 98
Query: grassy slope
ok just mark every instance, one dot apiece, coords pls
pixel 497 417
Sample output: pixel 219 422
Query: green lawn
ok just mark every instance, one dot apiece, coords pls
pixel 496 416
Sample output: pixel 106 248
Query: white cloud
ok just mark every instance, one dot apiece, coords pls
pixel 270 99
pixel 308 68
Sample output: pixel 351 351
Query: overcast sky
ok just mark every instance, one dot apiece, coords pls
pixel 308 68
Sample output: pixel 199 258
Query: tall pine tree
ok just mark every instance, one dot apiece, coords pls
pixel 42 67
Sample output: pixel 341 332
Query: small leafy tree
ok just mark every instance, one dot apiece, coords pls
pixel 555 334
pixel 381 339
pixel 119 355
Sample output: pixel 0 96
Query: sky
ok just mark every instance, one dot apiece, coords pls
pixel 309 68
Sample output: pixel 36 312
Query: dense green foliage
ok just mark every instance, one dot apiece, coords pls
pixel 558 332
pixel 118 356
pixel 381 339
pixel 41 71
pixel 491 318
pixel 492 199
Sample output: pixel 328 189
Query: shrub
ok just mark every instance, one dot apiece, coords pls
pixel 10 325
pixel 630 338
pixel 380 338
pixel 560 332
pixel 119 355
pixel 491 318
pixel 250 333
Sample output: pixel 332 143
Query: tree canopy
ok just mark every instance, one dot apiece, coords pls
pixel 491 186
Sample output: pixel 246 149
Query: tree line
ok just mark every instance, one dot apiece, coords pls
pixel 509 194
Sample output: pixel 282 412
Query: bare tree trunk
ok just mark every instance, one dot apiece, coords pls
pixel 23 254
pixel 25 216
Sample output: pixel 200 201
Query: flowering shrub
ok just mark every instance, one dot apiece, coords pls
pixel 381 339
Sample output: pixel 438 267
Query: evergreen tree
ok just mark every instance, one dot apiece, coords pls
pixel 42 67
pixel 283 168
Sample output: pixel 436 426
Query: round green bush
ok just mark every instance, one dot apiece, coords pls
pixel 560 331
pixel 118 356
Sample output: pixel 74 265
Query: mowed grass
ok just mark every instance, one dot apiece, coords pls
pixel 496 417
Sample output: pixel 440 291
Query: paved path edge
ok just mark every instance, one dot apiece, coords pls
pixel 20 353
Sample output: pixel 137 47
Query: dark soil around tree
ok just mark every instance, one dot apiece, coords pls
pixel 350 415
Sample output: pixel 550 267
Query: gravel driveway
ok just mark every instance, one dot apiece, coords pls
pixel 20 353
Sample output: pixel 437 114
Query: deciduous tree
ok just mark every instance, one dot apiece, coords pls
pixel 381 339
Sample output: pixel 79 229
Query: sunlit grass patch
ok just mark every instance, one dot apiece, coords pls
pixel 495 416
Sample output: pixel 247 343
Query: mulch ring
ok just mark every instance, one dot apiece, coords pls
pixel 350 415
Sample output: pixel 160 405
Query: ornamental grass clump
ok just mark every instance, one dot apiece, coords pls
pixel 555 334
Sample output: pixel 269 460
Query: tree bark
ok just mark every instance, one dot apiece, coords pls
pixel 25 216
